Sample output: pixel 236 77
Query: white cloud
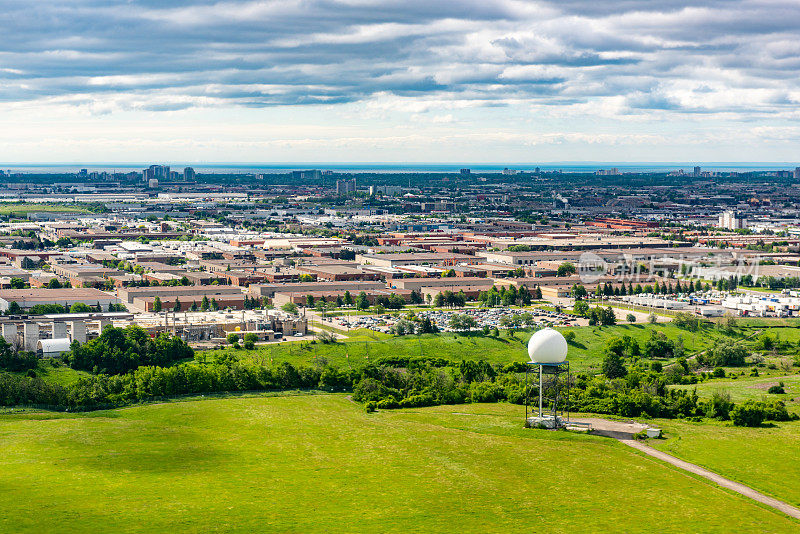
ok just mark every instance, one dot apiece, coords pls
pixel 570 68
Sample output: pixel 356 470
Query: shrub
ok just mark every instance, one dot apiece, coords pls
pixel 485 392
pixel 249 345
pixel 776 411
pixel 727 353
pixel 252 336
pixel 569 336
pixel 719 372
pixel 232 338
pixel 750 414
pixel 719 406
pixel 388 403
pixel 371 406
pixel 631 318
pixel 777 389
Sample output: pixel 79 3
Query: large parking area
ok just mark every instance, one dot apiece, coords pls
pixel 491 317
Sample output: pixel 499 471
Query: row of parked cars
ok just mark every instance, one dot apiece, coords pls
pixel 491 317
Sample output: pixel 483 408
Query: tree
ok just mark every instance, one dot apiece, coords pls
pixel 204 304
pixel 214 304
pixel 609 317
pixel 565 269
pixel 16 361
pixel 579 292
pixel 687 321
pixel 251 336
pixel 232 338
pixel 581 308
pixel 54 284
pixel 631 318
pixel 427 327
pixel 403 327
pixel 309 301
pixel 80 307
pixel 462 322
pixel 428 299
pixel 290 307
pixel 177 306
pixel 157 305
pixel 14 308
pixel 613 366
pixel 17 283
pixel 348 298
pixel 524 296
pixel 659 346
pixel 362 302
pixel 119 350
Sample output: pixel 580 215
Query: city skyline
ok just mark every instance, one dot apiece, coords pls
pixel 362 81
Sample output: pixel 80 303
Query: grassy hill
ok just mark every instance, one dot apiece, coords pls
pixel 585 353
pixel 318 463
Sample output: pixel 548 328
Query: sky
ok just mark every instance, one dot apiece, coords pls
pixel 436 81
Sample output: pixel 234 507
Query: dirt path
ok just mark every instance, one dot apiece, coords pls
pixel 623 431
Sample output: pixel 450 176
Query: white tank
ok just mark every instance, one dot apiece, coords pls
pixel 547 346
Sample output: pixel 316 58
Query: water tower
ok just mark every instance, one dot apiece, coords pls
pixel 547 349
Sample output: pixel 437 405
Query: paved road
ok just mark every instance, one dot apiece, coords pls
pixel 624 433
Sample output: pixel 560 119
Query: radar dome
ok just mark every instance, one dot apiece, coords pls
pixel 547 346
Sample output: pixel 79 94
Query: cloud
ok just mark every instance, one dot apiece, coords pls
pixel 517 73
pixel 310 52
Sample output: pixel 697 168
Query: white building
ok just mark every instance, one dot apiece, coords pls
pixel 731 220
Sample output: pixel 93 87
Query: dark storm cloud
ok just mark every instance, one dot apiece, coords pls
pixel 667 56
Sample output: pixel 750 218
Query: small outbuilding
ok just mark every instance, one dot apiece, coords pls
pixel 53 348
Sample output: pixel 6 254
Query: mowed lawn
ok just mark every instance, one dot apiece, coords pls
pixel 319 463
pixel 763 458
pixel 585 353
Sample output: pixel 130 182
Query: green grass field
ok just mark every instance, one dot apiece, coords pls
pixel 752 388
pixel 23 208
pixel 763 458
pixel 62 375
pixel 318 463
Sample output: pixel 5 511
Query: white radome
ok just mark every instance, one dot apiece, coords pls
pixel 547 346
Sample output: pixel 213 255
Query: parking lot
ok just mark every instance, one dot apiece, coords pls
pixel 484 317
